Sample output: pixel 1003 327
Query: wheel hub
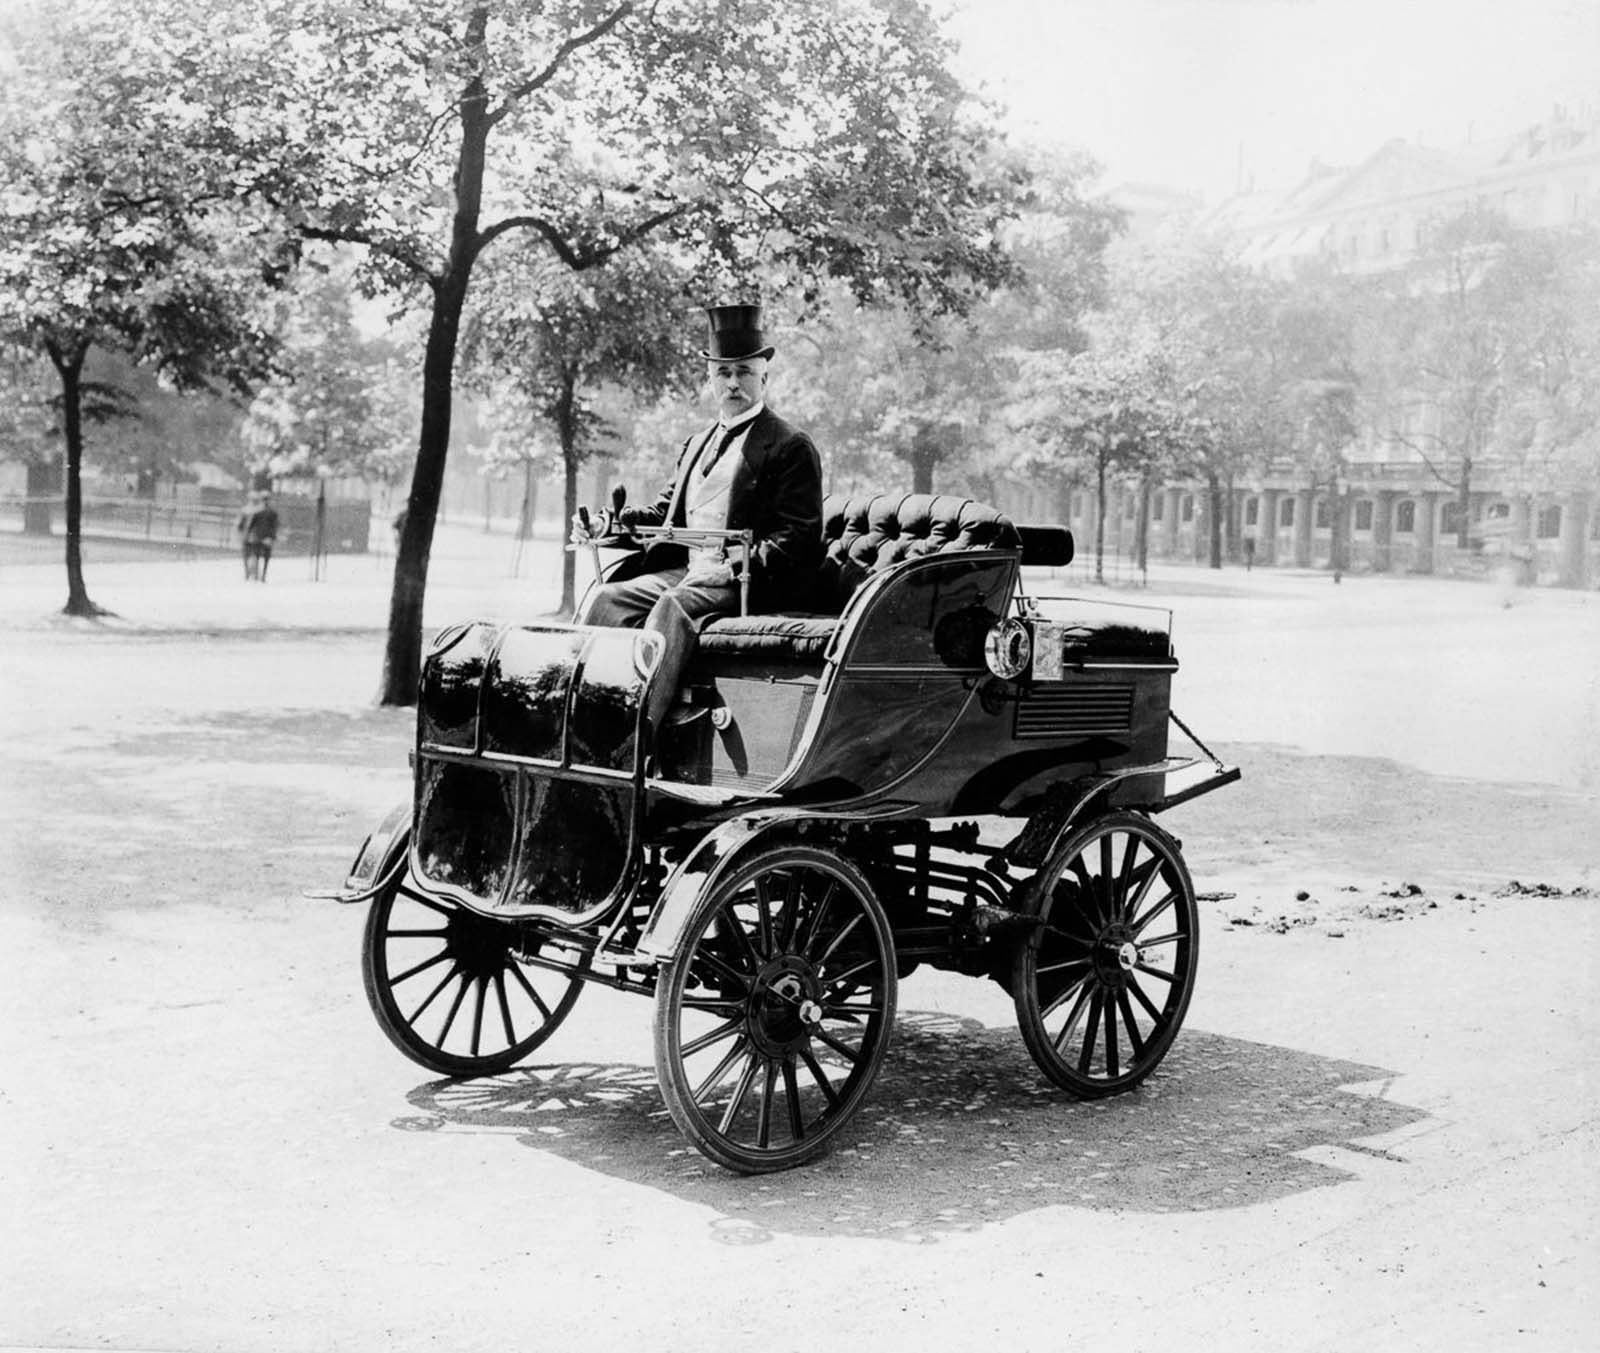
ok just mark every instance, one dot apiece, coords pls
pixel 479 946
pixel 1116 955
pixel 785 1005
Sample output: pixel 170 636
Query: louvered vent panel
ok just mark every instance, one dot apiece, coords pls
pixel 1073 710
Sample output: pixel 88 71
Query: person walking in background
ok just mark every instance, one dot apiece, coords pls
pixel 258 530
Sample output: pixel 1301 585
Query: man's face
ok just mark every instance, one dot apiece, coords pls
pixel 738 386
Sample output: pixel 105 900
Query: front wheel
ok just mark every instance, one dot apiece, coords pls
pixel 774 1016
pixel 452 989
pixel 1102 983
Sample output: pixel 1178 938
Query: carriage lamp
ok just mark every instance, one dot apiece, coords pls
pixel 1008 648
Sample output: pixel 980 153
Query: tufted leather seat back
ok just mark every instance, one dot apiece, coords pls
pixel 864 533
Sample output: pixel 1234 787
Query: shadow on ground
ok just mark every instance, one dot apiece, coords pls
pixel 960 1131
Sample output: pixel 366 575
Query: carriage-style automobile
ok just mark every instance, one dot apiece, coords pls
pixel 941 769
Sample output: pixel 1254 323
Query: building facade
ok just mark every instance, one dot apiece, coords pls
pixel 1387 512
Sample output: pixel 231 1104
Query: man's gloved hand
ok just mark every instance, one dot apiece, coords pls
pixel 587 527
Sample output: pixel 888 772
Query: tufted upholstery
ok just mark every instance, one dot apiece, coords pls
pixel 862 534
pixel 865 533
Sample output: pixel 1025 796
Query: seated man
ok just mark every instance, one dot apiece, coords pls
pixel 749 469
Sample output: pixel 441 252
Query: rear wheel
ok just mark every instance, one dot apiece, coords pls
pixel 1102 984
pixel 451 988
pixel 773 1018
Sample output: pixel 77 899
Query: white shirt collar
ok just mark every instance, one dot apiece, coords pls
pixel 743 418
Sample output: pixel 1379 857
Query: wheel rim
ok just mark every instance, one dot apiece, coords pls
pixel 1104 981
pixel 452 990
pixel 774 1018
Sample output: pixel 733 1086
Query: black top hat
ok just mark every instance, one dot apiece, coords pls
pixel 735 334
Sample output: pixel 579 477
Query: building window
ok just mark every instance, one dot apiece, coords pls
pixel 1550 522
pixel 1158 505
pixel 1450 519
pixel 1324 514
pixel 1286 512
pixel 1130 501
pixel 1252 511
pixel 1188 507
pixel 1405 517
pixel 1363 514
pixel 1498 512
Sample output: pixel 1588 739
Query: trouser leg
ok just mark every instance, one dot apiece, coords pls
pixel 266 558
pixel 675 617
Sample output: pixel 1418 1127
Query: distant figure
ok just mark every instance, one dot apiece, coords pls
pixel 258 529
pixel 1249 553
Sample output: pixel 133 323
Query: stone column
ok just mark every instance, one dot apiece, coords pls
pixel 1305 516
pixel 1570 563
pixel 1267 527
pixel 1383 531
pixel 1426 523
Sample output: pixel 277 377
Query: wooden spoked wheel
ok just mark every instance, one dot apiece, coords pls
pixel 451 988
pixel 1102 982
pixel 774 1015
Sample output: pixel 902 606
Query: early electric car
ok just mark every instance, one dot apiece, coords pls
pixel 939 768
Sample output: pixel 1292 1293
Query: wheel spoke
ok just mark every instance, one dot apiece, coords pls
pixel 1135 1042
pixel 1156 941
pixel 1085 992
pixel 814 921
pixel 1062 967
pixel 1086 1056
pixel 789 913
pixel 443 956
pixel 1138 993
pixel 505 1007
pixel 820 1076
pixel 764 1106
pixel 839 938
pixel 843 1049
pixel 763 918
pixel 715 1078
pixel 455 1007
pixel 714 961
pixel 729 921
pixel 1159 909
pixel 716 1035
pixel 478 986
pixel 740 1090
pixel 841 978
pixel 1137 884
pixel 444 981
pixel 1108 1008
pixel 515 970
pixel 791 1090
pixel 1155 972
pixel 1065 995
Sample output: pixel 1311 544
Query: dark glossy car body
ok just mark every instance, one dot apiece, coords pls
pixel 947 772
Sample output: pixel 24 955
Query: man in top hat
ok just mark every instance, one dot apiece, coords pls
pixel 748 469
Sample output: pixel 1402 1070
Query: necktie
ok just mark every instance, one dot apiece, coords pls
pixel 728 434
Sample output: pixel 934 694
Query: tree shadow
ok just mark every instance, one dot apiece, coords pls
pixel 961 1130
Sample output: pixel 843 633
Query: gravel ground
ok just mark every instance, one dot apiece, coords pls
pixel 1377 1129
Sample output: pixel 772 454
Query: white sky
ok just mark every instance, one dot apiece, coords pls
pixel 1167 91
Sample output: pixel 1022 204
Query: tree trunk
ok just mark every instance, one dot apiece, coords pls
pixel 1100 520
pixel 402 658
pixel 70 367
pixel 1214 497
pixel 1142 532
pixel 1464 502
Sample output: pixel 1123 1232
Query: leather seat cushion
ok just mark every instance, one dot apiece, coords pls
pixel 802 638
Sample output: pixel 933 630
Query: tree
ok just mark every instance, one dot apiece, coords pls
pixel 562 336
pixel 833 144
pixel 110 239
pixel 1098 412
pixel 332 404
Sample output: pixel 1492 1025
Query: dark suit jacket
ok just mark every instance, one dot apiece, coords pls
pixel 776 493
